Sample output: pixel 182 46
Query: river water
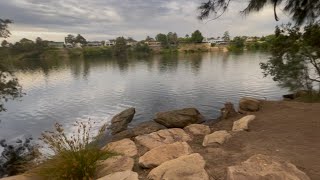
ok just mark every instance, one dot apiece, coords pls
pixel 78 89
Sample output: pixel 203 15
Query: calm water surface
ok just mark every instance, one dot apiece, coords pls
pixel 68 90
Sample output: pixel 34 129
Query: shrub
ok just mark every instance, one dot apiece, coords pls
pixel 74 156
pixel 16 156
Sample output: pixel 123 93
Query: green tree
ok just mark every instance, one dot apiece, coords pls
pixel 148 38
pixel 163 39
pixel 80 39
pixel 226 36
pixel 295 60
pixel 237 44
pixel 300 10
pixel 120 48
pixel 4 32
pixel 39 41
pixel 9 85
pixel 70 39
pixel 172 38
pixel 197 37
pixel 4 43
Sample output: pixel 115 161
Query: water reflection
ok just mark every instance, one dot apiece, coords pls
pixel 66 90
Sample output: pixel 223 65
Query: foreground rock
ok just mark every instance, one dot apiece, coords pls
pixel 249 104
pixel 162 137
pixel 120 121
pixel 114 164
pixel 265 167
pixel 243 123
pixel 197 129
pixel 161 154
pixel 125 147
pixel 124 175
pixel 179 118
pixel 218 137
pixel 190 167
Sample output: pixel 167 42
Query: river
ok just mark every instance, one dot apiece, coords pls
pixel 97 88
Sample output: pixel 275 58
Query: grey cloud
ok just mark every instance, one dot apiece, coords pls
pixel 98 19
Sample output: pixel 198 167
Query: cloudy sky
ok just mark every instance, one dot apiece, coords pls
pixel 105 19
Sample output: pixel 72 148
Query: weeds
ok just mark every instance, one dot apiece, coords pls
pixel 75 156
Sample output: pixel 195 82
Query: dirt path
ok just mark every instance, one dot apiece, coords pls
pixel 288 130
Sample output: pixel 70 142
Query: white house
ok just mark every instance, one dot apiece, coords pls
pixel 215 41
pixel 109 43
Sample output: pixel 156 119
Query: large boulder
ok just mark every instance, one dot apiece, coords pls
pixel 265 168
pixel 161 154
pixel 120 121
pixel 162 137
pixel 197 129
pixel 179 118
pixel 249 104
pixel 124 175
pixel 218 137
pixel 114 164
pixel 124 147
pixel 189 167
pixel 243 123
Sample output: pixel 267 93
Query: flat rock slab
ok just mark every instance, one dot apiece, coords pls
pixel 197 129
pixel 114 164
pixel 179 118
pixel 124 147
pixel 163 153
pixel 124 175
pixel 243 123
pixel 162 137
pixel 218 137
pixel 189 167
pixel 265 168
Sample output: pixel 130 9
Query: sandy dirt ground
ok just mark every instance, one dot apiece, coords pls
pixel 287 130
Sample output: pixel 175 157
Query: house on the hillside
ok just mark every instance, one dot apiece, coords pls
pixel 109 43
pixel 69 45
pixel 78 45
pixel 131 42
pixel 53 44
pixel 153 43
pixel 218 41
pixel 94 44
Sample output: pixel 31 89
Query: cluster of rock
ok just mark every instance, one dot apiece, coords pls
pixel 168 154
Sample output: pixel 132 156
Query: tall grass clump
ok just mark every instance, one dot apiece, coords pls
pixel 75 156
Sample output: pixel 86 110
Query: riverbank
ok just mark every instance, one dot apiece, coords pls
pixel 285 133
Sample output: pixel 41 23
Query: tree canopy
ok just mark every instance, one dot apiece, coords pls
pixel 295 61
pixel 9 85
pixel 300 10
pixel 80 39
pixel 4 32
pixel 197 37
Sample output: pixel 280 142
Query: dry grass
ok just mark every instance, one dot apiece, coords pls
pixel 75 157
